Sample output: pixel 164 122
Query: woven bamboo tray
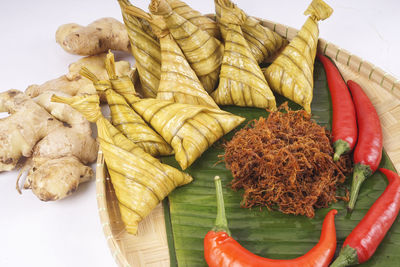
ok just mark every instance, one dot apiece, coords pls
pixel 149 247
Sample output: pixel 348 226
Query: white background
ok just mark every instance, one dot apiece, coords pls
pixel 68 232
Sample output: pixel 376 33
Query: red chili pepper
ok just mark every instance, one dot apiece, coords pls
pixel 362 242
pixel 221 250
pixel 344 123
pixel 368 152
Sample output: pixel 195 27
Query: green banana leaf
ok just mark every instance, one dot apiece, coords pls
pixel 191 210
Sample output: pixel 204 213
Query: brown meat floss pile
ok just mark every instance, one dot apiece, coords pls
pixel 285 162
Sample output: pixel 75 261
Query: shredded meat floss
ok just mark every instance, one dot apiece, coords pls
pixel 285 163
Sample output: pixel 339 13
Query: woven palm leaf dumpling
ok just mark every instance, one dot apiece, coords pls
pixel 189 129
pixel 195 17
pixel 140 181
pixel 242 82
pixel 263 42
pixel 126 120
pixel 145 49
pixel 178 81
pixel 291 73
pixel 203 52
pixel 122 84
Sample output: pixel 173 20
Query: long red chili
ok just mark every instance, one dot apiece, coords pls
pixel 221 250
pixel 368 152
pixel 362 242
pixel 344 123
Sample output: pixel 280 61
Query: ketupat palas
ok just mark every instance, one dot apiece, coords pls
pixel 241 82
pixel 95 38
pixel 140 181
pixel 189 129
pixel 291 73
pixel 30 131
pixel 262 42
pixel 146 50
pixel 126 120
pixel 178 82
pixel 145 25
pixel 203 52
pixel 122 84
pixel 89 107
pixel 195 17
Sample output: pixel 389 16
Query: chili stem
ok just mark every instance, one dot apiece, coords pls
pixel 341 147
pixel 348 256
pixel 361 172
pixel 221 224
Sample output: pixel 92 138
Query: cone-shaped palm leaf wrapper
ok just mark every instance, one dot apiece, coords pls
pixel 262 42
pixel 139 180
pixel 178 82
pixel 126 120
pixel 242 82
pixel 146 50
pixel 189 129
pixel 291 73
pixel 123 85
pixel 202 51
pixel 195 17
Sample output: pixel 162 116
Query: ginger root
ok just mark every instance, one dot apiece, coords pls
pixel 57 178
pixel 97 37
pixel 61 84
pixel 58 146
pixel 72 139
pixel 72 83
pixel 63 112
pixel 19 132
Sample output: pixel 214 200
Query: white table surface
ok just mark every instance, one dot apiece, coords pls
pixel 68 232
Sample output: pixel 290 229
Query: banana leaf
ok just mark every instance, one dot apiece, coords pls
pixel 191 210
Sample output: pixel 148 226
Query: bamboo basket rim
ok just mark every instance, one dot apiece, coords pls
pixel 380 78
